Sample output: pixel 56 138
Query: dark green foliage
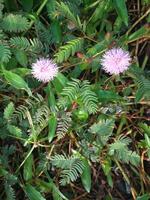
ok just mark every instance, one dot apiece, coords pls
pixel 81 93
pixel 5 53
pixel 69 49
pixel 14 23
pixel 71 167
pixel 85 134
pixel 103 129
pixel 120 149
pixel 143 88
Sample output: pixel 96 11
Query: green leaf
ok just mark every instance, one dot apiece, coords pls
pixel 140 33
pixel 108 96
pixel 51 187
pixel 5 53
pixel 16 81
pixel 51 7
pixel 9 111
pixel 15 23
pixel 32 193
pixel 100 11
pixel 106 166
pixel 103 129
pixel 144 197
pixel 121 9
pixel 52 123
pixel 22 71
pixel 27 170
pixel 50 96
pixel 56 31
pixel 86 176
pixel 14 130
pixel 59 82
pixel 27 4
pixel 21 58
pixel 68 49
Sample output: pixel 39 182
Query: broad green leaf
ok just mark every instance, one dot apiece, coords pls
pixel 27 4
pixel 16 81
pixel 27 170
pixel 52 123
pixel 50 96
pixel 32 193
pixel 21 58
pixel 140 33
pixel 121 9
pixel 118 24
pixel 108 96
pixel 98 48
pixel 51 187
pixel 145 128
pixel 144 197
pixel 56 31
pixel 147 140
pixel 101 10
pixel 59 82
pixel 22 71
pixel 106 166
pixel 86 176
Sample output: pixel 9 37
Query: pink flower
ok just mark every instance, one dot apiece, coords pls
pixel 115 61
pixel 44 70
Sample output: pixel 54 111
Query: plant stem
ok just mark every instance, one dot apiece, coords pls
pixel 33 147
pixel 122 171
pixel 142 17
pixel 145 61
pixel 38 12
pixel 126 179
pixel 122 122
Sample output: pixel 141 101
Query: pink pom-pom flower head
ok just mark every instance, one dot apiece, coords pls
pixel 115 61
pixel 44 70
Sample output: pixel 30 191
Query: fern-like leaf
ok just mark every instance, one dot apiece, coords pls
pixel 66 12
pixel 62 161
pixel 103 129
pixel 63 124
pixel 34 45
pixel 71 174
pixel 21 43
pixel 143 88
pixel 15 23
pixel 81 93
pixel 72 167
pixel 120 150
pixel 14 130
pixel 5 53
pixel 89 98
pixel 69 49
pixel 21 112
pixel 41 117
pixel 10 193
pixel 9 111
pixel 72 89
